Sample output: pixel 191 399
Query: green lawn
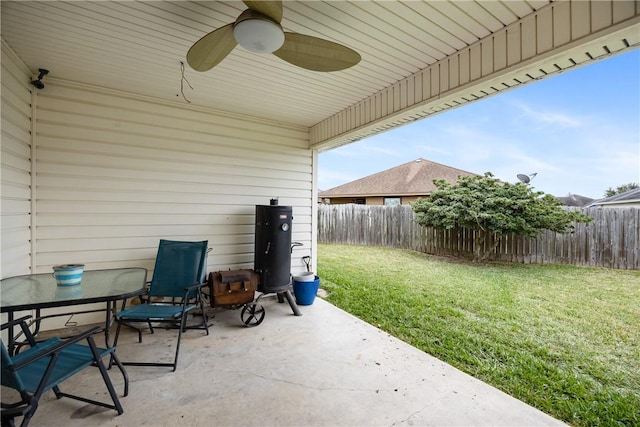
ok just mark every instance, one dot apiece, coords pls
pixel 564 339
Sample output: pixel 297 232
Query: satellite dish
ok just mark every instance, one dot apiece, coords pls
pixel 526 178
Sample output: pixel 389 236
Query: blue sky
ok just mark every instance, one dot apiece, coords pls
pixel 579 131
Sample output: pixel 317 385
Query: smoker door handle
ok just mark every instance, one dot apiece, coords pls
pixel 268 248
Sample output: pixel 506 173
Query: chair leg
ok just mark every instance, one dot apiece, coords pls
pixel 205 319
pixel 26 420
pixel 57 392
pixel 27 416
pixel 115 343
pixel 105 376
pixel 114 359
pixel 115 338
pixel 182 325
pixel 112 391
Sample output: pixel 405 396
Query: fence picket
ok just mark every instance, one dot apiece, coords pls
pixel 611 240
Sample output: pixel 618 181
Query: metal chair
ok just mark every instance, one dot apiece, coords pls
pixel 178 276
pixel 45 365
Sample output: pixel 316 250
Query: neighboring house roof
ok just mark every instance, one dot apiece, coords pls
pixel 575 200
pixel 410 179
pixel 628 197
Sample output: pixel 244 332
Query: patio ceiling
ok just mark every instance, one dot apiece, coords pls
pixel 138 47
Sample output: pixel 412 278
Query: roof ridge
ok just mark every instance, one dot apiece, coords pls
pixel 403 179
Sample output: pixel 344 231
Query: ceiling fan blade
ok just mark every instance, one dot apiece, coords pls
pixel 316 54
pixel 272 9
pixel 211 49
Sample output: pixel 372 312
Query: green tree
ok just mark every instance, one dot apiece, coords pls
pixel 620 189
pixel 484 203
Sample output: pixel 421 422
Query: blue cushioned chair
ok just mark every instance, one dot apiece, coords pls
pixel 44 365
pixel 178 276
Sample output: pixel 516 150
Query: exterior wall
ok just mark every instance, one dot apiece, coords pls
pixel 408 199
pixel 379 201
pixel 340 200
pixel 15 155
pixel 112 173
pixel 375 201
pixel 629 204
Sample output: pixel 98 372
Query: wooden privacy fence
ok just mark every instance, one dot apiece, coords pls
pixel 611 240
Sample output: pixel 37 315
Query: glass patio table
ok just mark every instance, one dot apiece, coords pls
pixel 39 291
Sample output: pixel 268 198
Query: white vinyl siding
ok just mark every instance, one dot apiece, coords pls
pixel 15 159
pixel 116 173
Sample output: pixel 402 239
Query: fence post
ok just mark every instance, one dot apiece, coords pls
pixel 611 240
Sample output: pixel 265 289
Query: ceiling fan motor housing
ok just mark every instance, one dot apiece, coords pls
pixel 257 32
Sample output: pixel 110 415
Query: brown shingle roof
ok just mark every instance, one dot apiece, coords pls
pixel 629 196
pixel 409 179
pixel 575 200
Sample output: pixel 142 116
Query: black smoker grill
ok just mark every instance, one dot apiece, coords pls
pixel 271 268
pixel 272 256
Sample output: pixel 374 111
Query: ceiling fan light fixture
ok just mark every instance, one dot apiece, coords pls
pixel 258 35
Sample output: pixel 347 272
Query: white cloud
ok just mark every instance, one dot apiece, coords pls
pixel 344 151
pixel 377 150
pixel 422 148
pixel 330 178
pixel 545 117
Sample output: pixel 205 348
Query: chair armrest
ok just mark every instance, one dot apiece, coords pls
pixel 31 339
pixel 15 322
pixel 50 350
pixel 189 289
pixel 196 286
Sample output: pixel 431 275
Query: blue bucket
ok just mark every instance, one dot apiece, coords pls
pixel 306 291
pixel 68 274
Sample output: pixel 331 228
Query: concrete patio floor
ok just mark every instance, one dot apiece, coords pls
pixel 325 368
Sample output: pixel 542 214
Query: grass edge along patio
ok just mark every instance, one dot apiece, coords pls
pixel 564 339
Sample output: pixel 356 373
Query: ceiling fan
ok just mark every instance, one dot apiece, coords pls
pixel 258 30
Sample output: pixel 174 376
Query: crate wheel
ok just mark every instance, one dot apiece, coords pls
pixel 252 314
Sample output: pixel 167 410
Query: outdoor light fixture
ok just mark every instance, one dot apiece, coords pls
pixel 257 33
pixel 526 178
pixel 38 82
